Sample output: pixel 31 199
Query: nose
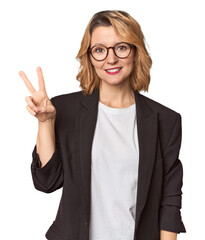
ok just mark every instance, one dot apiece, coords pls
pixel 111 57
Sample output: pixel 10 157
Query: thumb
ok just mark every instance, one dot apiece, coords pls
pixel 47 109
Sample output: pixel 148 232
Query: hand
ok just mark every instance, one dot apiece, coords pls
pixel 39 104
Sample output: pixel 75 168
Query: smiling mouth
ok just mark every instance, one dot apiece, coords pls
pixel 113 70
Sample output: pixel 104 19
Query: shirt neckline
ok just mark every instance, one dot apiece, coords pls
pixel 117 110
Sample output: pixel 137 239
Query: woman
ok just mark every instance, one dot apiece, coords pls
pixel 114 151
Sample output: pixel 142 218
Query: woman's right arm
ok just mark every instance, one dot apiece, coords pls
pixel 46 140
pixel 46 166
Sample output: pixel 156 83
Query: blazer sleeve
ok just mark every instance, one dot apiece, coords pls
pixel 49 177
pixel 170 214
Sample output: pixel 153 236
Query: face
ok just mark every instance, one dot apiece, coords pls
pixel 107 37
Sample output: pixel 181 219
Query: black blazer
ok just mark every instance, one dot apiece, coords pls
pixel 160 170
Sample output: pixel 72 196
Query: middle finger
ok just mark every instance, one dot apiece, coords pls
pixel 41 79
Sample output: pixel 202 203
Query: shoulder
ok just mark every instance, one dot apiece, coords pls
pixel 169 122
pixel 67 100
pixel 162 110
pixel 66 109
pixel 168 118
pixel 73 96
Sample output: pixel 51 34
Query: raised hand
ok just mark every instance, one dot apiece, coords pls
pixel 39 104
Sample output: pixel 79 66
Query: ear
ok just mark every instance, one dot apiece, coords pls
pixel 90 59
pixel 135 54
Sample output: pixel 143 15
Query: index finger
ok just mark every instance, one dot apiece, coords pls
pixel 30 87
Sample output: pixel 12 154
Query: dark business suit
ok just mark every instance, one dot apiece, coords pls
pixel 160 170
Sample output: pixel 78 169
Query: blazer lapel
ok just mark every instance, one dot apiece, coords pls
pixel 87 122
pixel 147 125
pixel 147 136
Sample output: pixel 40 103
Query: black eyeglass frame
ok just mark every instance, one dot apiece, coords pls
pixel 113 48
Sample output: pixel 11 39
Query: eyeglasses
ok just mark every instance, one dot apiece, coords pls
pixel 121 50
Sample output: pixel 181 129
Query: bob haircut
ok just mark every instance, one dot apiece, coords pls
pixel 128 30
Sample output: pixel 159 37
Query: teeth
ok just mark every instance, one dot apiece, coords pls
pixel 113 70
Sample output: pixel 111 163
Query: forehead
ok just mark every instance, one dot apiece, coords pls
pixel 105 36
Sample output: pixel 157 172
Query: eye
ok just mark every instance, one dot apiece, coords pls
pixel 121 47
pixel 99 50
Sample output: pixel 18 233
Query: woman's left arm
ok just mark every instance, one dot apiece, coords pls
pixel 170 214
pixel 165 235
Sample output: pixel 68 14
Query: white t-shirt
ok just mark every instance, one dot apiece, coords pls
pixel 114 174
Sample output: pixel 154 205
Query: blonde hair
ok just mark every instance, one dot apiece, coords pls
pixel 128 30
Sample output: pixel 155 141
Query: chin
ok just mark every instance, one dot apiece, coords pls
pixel 114 81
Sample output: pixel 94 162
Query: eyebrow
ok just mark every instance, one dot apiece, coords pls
pixel 96 44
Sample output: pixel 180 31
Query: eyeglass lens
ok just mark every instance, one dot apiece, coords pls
pixel 122 50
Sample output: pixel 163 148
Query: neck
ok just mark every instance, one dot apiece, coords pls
pixel 116 96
